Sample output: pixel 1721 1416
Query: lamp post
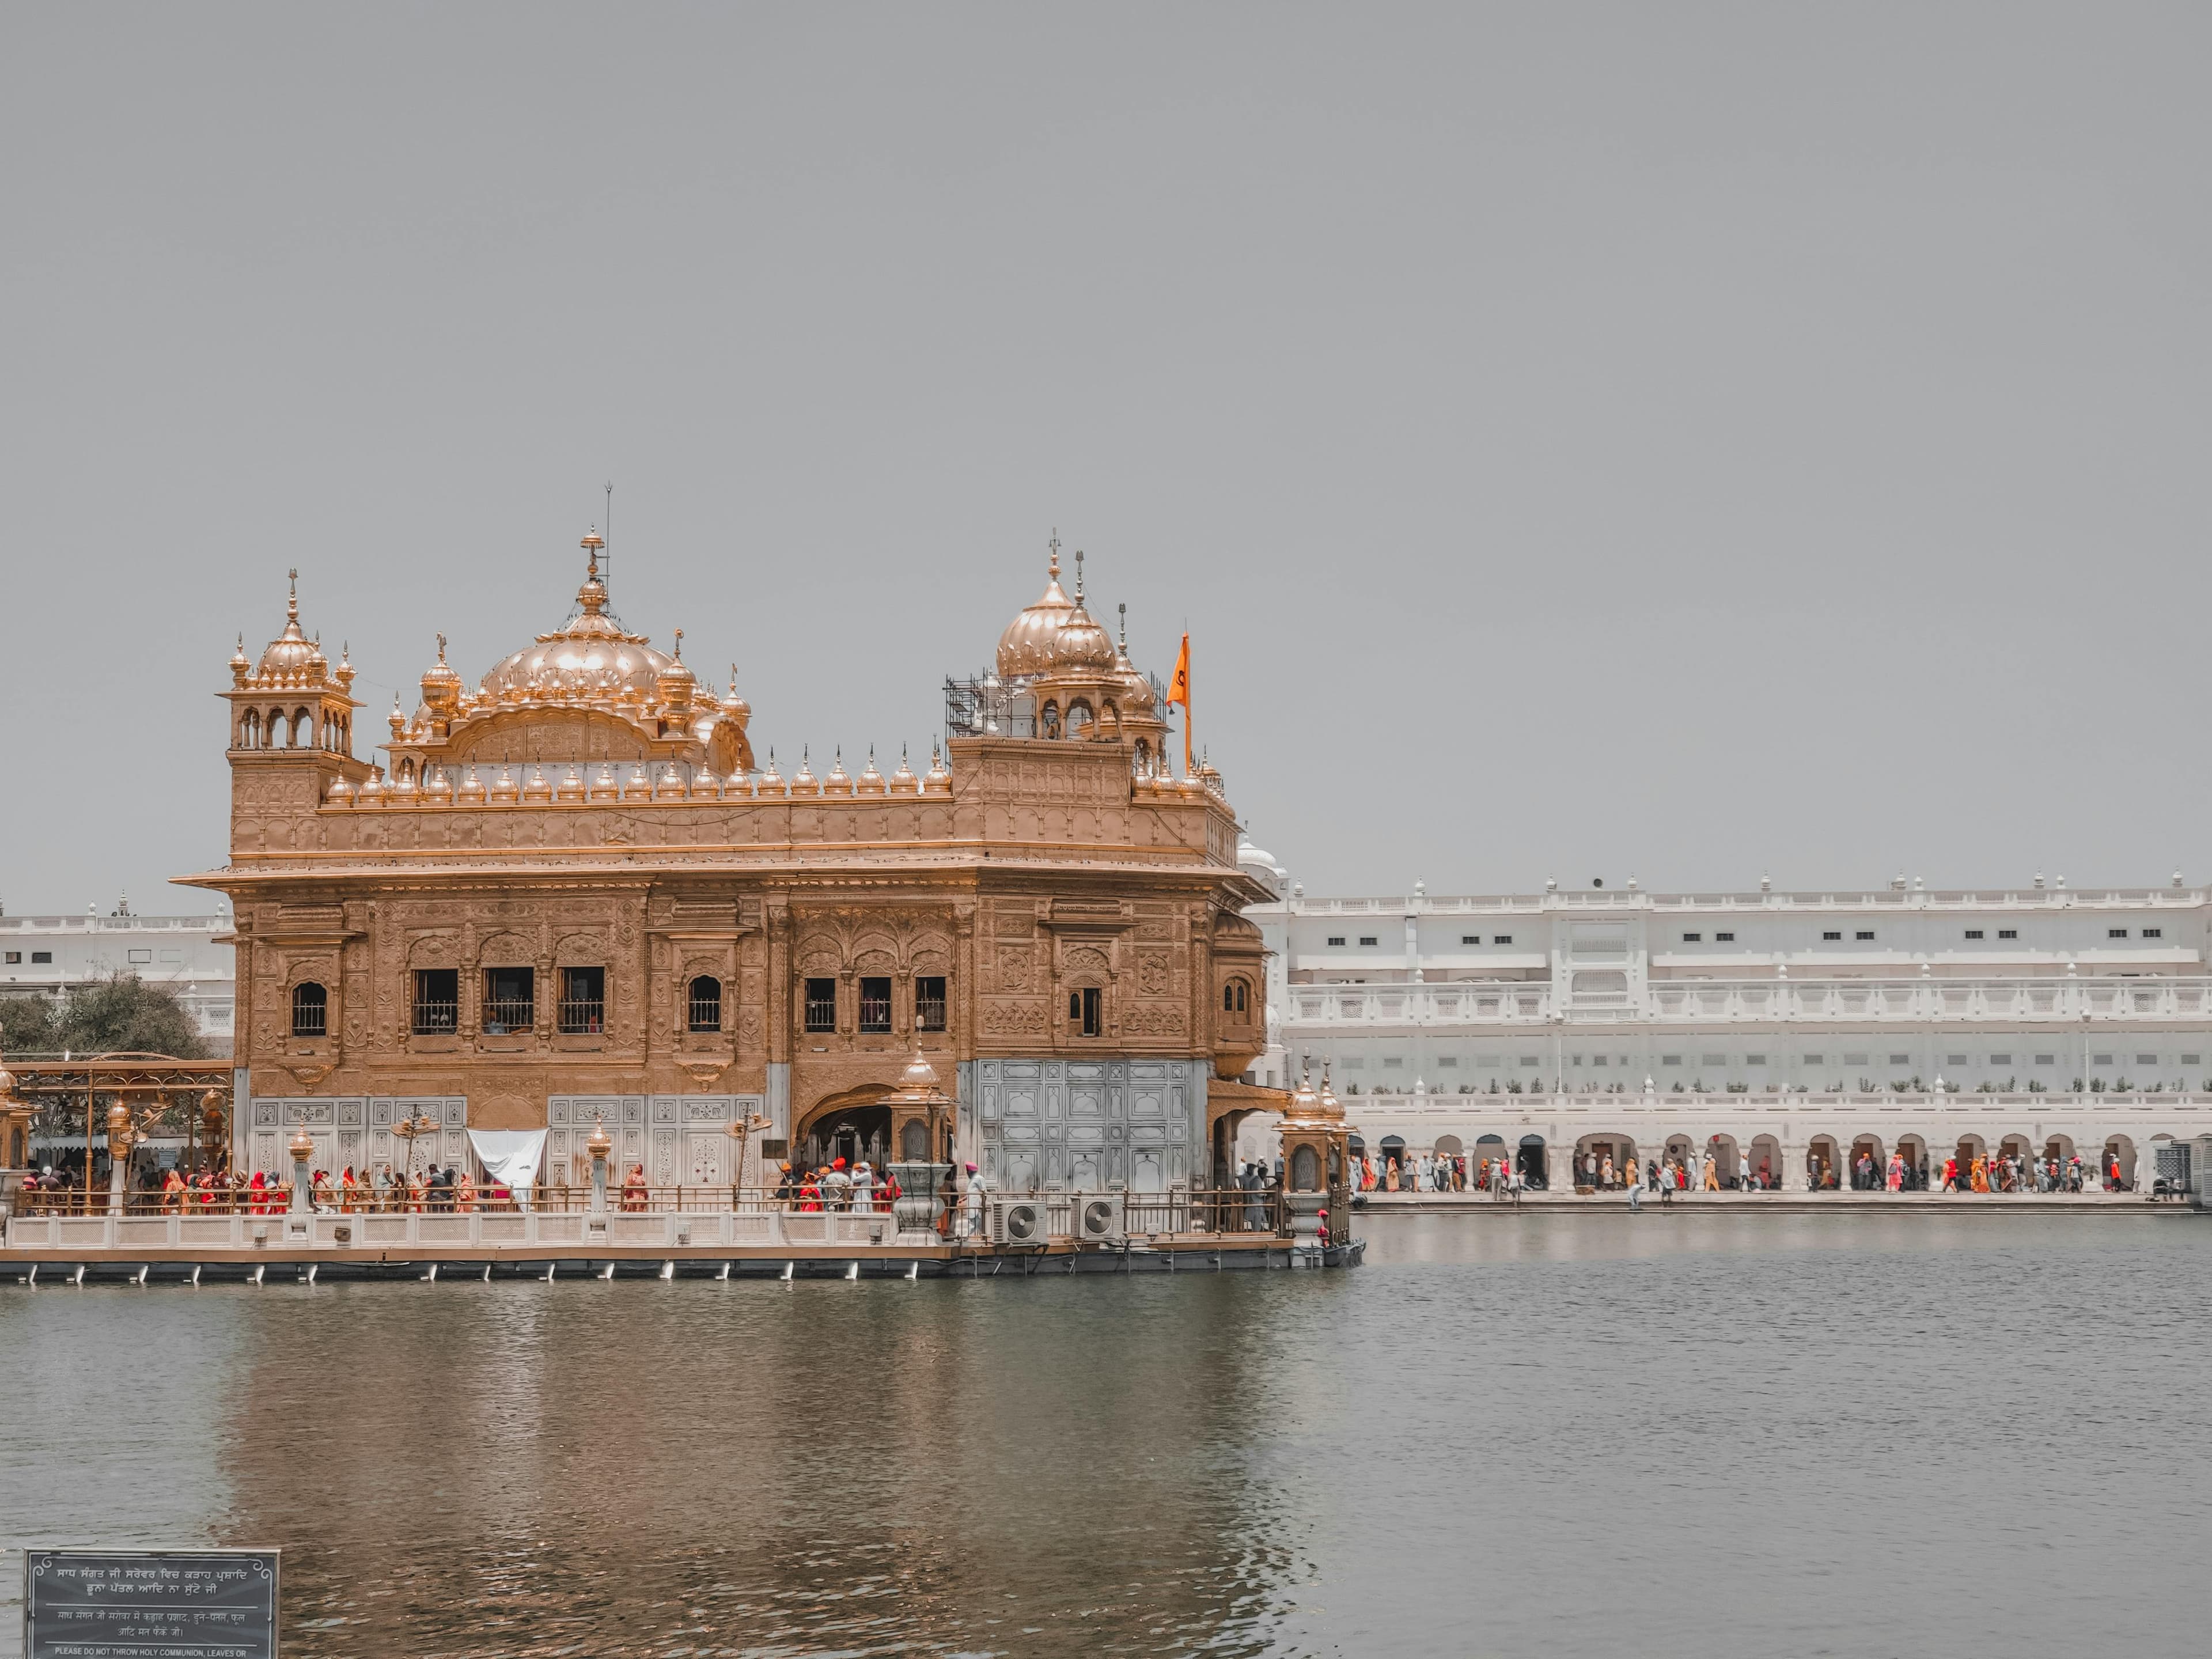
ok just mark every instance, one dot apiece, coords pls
pixel 302 1149
pixel 411 1129
pixel 748 1124
pixel 599 1144
pixel 121 1137
pixel 919 1091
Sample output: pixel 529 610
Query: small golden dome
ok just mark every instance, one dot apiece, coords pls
pixel 676 683
pixel 441 686
pixel 343 673
pixel 705 786
pixel 504 787
pixel 919 1081
pixel 287 653
pixel 1030 640
pixel 535 788
pixel 939 780
pixel 340 793
pixel 572 786
pixel 239 667
pixel 639 787
pixel 803 781
pixel 837 783
pixel 1137 698
pixel 771 781
pixel 870 781
pixel 371 793
pixel 903 781
pixel 1082 643
pixel 604 786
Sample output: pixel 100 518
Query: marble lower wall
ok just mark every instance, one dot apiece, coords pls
pixel 1083 1125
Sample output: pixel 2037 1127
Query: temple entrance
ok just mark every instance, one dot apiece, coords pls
pixel 1824 1164
pixel 853 1133
pixel 1530 1160
pixel 1765 1174
pixel 1869 1167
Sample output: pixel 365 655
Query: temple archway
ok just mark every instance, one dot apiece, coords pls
pixel 853 1124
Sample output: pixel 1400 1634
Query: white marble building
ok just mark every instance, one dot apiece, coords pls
pixel 2040 1015
pixel 42 955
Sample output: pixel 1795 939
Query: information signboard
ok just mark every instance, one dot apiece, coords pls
pixel 181 1604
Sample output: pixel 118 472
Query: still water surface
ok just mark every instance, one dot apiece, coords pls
pixel 1689 1434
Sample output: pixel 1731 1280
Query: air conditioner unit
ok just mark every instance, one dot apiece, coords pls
pixel 1098 1218
pixel 1018 1221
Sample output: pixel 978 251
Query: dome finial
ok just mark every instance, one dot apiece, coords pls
pixel 441 647
pixel 292 604
pixel 1054 545
pixel 679 645
pixel 1124 609
pixel 1078 575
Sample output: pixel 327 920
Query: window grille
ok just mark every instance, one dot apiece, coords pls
pixel 929 1002
pixel 510 1001
pixel 583 1001
pixel 822 1005
pixel 437 1001
pixel 311 1005
pixel 706 1000
pixel 876 1005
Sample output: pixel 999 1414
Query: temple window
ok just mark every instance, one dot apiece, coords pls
pixel 929 1002
pixel 510 1001
pixel 437 1001
pixel 1078 718
pixel 875 1004
pixel 1086 1013
pixel 822 1004
pixel 1233 996
pixel 583 1001
pixel 1048 720
pixel 706 1003
pixel 311 1010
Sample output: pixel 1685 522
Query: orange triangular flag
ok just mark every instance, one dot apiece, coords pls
pixel 1179 686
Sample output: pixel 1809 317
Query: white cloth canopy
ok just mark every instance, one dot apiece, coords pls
pixel 511 1156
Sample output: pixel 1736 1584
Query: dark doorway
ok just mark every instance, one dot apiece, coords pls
pixel 1530 1160
pixel 856 1133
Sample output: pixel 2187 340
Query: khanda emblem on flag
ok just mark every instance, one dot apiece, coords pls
pixel 1179 692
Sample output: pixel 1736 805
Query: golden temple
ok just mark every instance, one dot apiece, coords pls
pixel 572 895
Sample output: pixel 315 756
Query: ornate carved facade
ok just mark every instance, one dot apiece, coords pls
pixel 572 894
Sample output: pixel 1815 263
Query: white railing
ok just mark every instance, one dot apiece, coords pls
pixel 491 1229
pixel 1754 1001
pixel 1615 898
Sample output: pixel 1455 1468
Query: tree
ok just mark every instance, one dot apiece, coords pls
pixel 123 1014
pixel 27 1024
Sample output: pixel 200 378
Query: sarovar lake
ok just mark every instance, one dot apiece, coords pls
pixel 1714 1434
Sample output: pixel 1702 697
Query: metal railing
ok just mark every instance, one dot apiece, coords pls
pixel 582 1017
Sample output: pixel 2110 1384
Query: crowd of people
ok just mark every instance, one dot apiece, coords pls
pixel 227 1192
pixel 1676 1171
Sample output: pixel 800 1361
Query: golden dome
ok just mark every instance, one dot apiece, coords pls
pixel 903 781
pixel 1031 640
pixel 1081 644
pixel 589 655
pixel 289 652
pixel 870 781
pixel 771 781
pixel 677 682
pixel 239 667
pixel 837 783
pixel 803 780
pixel 441 686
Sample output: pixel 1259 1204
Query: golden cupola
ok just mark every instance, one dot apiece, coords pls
pixel 589 690
pixel 1083 646
pixel 1032 643
pixel 286 659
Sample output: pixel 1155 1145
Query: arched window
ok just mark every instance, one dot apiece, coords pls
pixel 407 772
pixel 278 734
pixel 1143 764
pixel 706 1003
pixel 1234 997
pixel 1078 719
pixel 311 1010
pixel 249 729
pixel 1048 720
pixel 303 730
pixel 1305 1170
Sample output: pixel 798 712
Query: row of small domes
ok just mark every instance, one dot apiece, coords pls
pixel 439 787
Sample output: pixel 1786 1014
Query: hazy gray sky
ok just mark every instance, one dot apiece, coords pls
pixel 1669 440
